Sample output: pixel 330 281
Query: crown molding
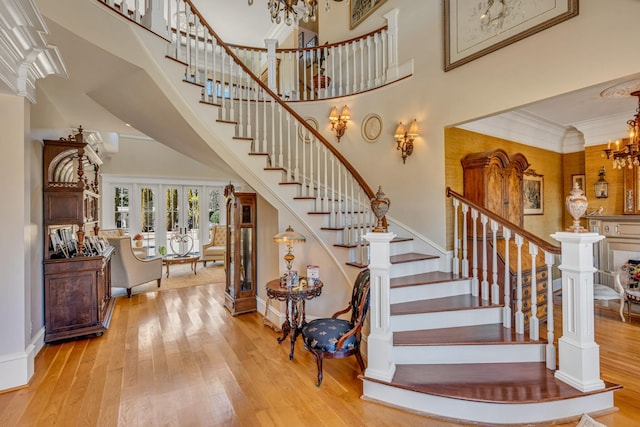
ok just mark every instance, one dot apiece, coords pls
pixel 25 55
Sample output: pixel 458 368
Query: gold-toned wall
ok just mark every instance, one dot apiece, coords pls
pixel 594 159
pixel 459 143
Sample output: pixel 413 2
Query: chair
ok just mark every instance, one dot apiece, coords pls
pixel 119 232
pixel 217 246
pixel 333 338
pixel 127 270
pixel 607 287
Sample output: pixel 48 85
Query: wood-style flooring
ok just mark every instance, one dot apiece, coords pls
pixel 177 358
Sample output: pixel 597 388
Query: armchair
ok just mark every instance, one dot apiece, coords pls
pixel 127 270
pixel 333 338
pixel 607 287
pixel 119 232
pixel 217 246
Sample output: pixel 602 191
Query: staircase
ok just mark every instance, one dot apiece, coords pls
pixel 448 346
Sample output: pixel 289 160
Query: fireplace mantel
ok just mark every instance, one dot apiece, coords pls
pixel 621 243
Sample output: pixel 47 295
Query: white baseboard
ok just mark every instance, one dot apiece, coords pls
pixel 17 369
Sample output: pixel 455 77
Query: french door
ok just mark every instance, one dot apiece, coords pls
pixel 182 219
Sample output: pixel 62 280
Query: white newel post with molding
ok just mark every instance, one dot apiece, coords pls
pixel 578 352
pixel 154 19
pixel 272 64
pixel 380 341
pixel 392 43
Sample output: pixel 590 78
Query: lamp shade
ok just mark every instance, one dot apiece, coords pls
pixel 345 114
pixel 289 236
pixel 333 117
pixel 399 133
pixel 413 129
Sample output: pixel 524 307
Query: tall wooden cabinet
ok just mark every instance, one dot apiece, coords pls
pixel 493 180
pixel 77 267
pixel 240 290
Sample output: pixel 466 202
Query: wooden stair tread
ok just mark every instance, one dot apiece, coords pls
pixel 493 333
pixel 411 257
pixel 355 245
pixel 424 278
pixel 509 383
pixel 452 303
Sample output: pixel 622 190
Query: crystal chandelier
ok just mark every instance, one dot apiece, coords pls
pixel 293 10
pixel 628 155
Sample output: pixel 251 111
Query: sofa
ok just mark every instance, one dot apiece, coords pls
pixel 216 249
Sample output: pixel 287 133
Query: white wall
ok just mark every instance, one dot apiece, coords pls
pixel 588 49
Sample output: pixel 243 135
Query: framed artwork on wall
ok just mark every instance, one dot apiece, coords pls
pixel 533 193
pixel 474 29
pixel 359 10
pixel 580 179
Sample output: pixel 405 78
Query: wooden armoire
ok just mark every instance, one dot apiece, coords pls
pixel 493 180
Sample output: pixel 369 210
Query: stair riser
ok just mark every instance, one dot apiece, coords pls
pixel 414 267
pixel 453 354
pixel 487 412
pixel 446 319
pixel 430 291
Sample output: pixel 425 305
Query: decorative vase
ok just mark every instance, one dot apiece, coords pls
pixel 380 206
pixel 138 243
pixel 576 205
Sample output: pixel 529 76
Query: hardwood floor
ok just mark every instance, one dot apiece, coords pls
pixel 177 358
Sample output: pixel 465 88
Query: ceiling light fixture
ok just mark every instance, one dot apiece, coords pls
pixel 293 10
pixel 629 154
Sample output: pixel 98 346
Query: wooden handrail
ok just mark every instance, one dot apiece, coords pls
pixel 363 184
pixel 543 244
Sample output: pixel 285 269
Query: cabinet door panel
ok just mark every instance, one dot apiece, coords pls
pixel 74 298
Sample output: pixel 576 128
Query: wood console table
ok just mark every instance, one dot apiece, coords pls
pixel 187 259
pixel 294 296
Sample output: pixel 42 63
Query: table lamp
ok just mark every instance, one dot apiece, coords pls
pixel 289 237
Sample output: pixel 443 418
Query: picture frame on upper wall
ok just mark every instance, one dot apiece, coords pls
pixel 533 193
pixel 359 10
pixel 474 29
pixel 580 179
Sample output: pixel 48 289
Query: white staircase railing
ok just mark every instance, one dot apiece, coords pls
pixel 305 158
pixel 303 74
pixel 508 262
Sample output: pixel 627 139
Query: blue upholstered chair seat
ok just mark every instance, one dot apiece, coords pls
pixel 323 335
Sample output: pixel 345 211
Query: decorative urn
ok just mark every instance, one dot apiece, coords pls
pixel 576 205
pixel 380 206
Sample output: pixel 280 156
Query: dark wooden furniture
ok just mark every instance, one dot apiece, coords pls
pixel 295 298
pixel 493 180
pixel 240 290
pixel 77 274
pixel 335 338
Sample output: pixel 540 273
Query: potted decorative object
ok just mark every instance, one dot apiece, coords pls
pixel 162 250
pixel 320 81
pixel 138 239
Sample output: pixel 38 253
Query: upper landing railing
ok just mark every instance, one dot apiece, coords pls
pixel 303 74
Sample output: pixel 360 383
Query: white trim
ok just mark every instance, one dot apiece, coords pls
pixel 17 369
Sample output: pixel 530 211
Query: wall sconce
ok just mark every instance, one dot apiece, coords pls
pixel 601 186
pixel 339 121
pixel 405 139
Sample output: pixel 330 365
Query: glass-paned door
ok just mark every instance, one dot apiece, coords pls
pixel 148 219
pixel 121 208
pixel 182 219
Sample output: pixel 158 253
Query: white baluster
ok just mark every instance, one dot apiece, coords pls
pixel 551 348
pixel 495 289
pixel 333 71
pixel 484 286
pixel 475 284
pixel 506 316
pixel 534 327
pixel 519 315
pixel 361 45
pixel 465 241
pixel 369 62
pixel 456 245
pixel 340 68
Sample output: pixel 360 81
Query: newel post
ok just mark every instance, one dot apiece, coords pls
pixel 578 352
pixel 153 18
pixel 380 341
pixel 392 44
pixel 272 64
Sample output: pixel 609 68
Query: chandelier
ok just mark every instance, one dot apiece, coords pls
pixel 293 10
pixel 629 154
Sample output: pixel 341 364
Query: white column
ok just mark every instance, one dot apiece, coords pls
pixel 380 342
pixel 578 353
pixel 153 18
pixel 272 64
pixel 392 45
